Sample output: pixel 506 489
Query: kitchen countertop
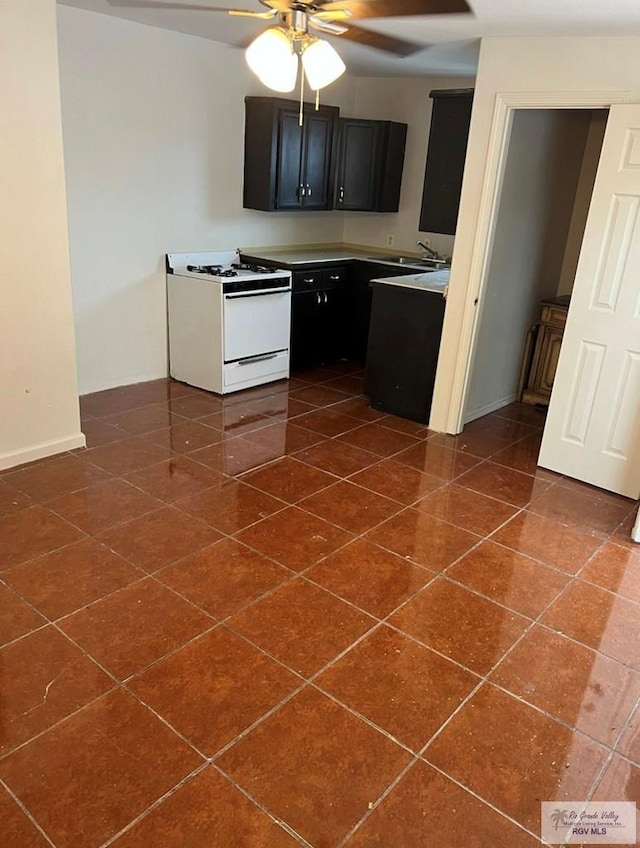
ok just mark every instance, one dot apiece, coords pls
pixel 308 256
pixel 318 254
pixel 433 281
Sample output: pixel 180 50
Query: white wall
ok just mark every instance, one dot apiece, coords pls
pixel 153 139
pixel 527 66
pixel 536 204
pixel 403 99
pixel 39 412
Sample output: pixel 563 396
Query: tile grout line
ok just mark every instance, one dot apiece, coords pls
pixel 379 623
pixel 27 813
pixel 187 779
pixel 279 821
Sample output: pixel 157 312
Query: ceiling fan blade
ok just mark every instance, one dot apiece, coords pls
pixel 337 15
pixel 396 8
pixel 327 26
pixel 281 5
pixel 158 4
pixel 379 41
pixel 244 13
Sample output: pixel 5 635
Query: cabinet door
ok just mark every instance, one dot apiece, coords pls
pixel 391 163
pixel 290 136
pixel 446 155
pixel 371 159
pixel 318 318
pixel 356 165
pixel 305 335
pixel 318 131
pixel 545 363
pixel 332 310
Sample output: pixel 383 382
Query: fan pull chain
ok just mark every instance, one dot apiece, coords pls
pixel 301 95
pixel 317 99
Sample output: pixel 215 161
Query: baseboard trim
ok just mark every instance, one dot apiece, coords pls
pixel 489 407
pixel 33 452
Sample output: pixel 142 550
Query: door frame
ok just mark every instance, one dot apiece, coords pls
pixel 505 105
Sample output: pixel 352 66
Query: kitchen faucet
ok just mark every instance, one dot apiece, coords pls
pixel 429 253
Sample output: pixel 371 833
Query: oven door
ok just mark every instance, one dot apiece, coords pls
pixel 256 324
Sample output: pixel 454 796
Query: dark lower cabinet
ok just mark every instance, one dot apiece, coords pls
pixel 402 354
pixel 318 313
pixel 359 305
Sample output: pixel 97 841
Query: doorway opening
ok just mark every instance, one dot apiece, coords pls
pixel 550 165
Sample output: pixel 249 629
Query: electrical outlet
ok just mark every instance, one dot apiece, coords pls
pixel 390 240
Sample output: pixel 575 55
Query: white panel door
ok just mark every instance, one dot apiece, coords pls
pixel 593 424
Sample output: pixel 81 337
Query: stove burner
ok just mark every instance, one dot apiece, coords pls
pixel 212 270
pixel 248 266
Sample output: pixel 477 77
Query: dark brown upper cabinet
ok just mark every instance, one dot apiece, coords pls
pixel 370 162
pixel 288 166
pixel 446 154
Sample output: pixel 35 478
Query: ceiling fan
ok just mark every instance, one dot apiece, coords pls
pixel 273 54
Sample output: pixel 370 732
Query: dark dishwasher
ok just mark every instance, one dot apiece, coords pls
pixel 402 353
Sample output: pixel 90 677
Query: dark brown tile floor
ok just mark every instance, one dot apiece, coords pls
pixel 282 618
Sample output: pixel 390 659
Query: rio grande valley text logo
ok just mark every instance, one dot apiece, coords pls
pixel 589 823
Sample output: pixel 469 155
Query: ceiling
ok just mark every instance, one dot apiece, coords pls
pixel 451 42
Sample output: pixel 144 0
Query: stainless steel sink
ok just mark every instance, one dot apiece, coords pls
pixel 434 264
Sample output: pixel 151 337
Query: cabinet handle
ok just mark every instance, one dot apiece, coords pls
pixel 326 297
pixel 301 190
pixel 318 298
pixel 334 276
pixel 308 192
pixel 309 280
pixel 340 196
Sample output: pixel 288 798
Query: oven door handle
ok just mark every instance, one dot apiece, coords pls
pixel 255 293
pixel 261 358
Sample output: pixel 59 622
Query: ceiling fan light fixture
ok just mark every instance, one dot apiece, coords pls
pixel 322 64
pixel 272 59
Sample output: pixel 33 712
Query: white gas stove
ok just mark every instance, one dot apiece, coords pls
pixel 229 323
pixel 221 266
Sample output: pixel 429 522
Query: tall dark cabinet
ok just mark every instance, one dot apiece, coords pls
pixel 370 162
pixel 446 155
pixel 288 166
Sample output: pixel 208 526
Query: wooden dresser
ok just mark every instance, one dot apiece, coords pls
pixel 543 350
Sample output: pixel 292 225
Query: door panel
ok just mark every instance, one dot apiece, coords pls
pixel 289 161
pixel 592 431
pixel 305 336
pixel 356 179
pixel 317 156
